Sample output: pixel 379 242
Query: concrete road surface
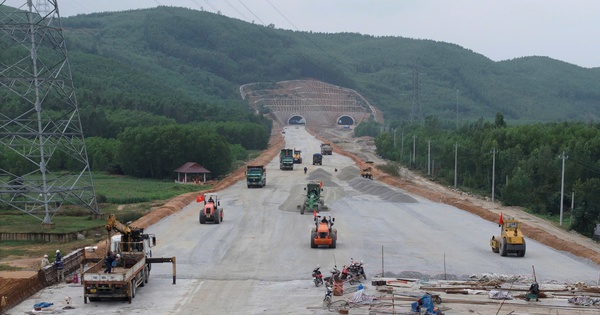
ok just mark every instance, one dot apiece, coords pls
pixel 259 260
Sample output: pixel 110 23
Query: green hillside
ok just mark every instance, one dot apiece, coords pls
pixel 181 57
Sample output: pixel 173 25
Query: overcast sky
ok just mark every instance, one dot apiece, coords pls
pixel 567 30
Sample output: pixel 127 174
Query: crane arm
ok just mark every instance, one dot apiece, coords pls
pixel 113 223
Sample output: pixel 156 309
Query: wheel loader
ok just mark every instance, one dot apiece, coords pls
pixel 211 211
pixel 313 200
pixel 510 240
pixel 323 233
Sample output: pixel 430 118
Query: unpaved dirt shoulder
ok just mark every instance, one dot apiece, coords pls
pixel 532 226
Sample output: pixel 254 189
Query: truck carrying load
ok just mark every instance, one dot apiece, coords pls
pixel 286 159
pixel 132 253
pixel 326 149
pixel 256 176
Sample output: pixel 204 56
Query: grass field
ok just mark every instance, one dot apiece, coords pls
pixel 128 198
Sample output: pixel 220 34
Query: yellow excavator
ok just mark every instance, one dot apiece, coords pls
pixel 366 170
pixel 510 240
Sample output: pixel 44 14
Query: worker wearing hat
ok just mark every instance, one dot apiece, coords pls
pixel 59 266
pixel 45 262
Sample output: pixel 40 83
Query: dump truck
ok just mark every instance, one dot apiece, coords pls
pixel 510 240
pixel 256 176
pixel 313 200
pixel 326 149
pixel 323 233
pixel 366 170
pixel 317 159
pixel 297 156
pixel 211 210
pixel 133 267
pixel 286 159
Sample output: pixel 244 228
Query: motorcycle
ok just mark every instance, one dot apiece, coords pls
pixel 356 269
pixel 317 276
pixel 335 275
pixel 328 294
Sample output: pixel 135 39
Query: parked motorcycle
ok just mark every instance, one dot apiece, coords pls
pixel 317 276
pixel 356 269
pixel 335 275
pixel 328 295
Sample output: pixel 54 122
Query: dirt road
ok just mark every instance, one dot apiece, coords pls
pixel 259 260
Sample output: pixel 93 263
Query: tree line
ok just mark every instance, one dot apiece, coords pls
pixel 524 162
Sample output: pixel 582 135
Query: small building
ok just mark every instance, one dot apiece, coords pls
pixel 191 172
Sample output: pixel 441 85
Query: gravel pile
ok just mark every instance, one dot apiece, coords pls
pixel 348 173
pixel 374 188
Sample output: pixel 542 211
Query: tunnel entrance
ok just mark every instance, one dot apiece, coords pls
pixel 297 120
pixel 345 120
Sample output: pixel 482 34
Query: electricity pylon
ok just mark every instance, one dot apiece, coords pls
pixel 43 159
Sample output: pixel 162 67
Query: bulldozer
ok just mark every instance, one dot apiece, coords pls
pixel 313 200
pixel 323 233
pixel 211 211
pixel 366 170
pixel 510 240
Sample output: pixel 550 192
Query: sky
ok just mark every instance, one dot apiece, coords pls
pixel 566 30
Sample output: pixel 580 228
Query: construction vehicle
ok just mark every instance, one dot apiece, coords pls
pixel 323 233
pixel 317 159
pixel 511 239
pixel 297 156
pixel 256 176
pixel 366 170
pixel 133 270
pixel 211 211
pixel 326 149
pixel 313 200
pixel 286 159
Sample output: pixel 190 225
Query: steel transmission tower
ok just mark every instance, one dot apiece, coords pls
pixel 43 159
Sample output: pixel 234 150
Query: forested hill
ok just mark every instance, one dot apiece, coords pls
pixel 166 60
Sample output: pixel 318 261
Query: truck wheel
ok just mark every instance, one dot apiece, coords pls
pixel 503 250
pixel 217 216
pixel 202 218
pixel 333 240
pixel 133 288
pixel 312 239
pixel 302 209
pixel 521 253
pixel 143 283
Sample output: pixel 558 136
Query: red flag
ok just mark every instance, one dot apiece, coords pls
pixel 200 198
pixel 320 184
pixel 501 220
pixel 315 213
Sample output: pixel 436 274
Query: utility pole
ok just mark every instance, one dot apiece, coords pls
pixel 562 187
pixel 394 137
pixel 37 77
pixel 402 145
pixel 493 172
pixel 455 164
pixel 456 109
pixel 414 149
pixel 429 157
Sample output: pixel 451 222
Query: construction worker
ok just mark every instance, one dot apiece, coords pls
pixel 210 199
pixel 305 169
pixel 45 262
pixel 325 220
pixel 108 261
pixel 59 266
